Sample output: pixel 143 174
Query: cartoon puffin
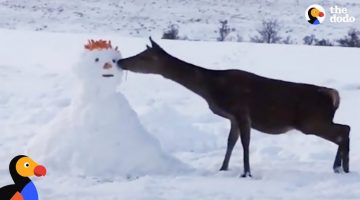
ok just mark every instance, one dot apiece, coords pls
pixel 313 14
pixel 21 168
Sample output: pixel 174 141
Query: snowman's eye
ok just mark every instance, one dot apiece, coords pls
pixel 97 59
pixel 26 165
pixel 114 61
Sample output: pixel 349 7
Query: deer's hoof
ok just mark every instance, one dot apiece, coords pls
pixel 246 174
pixel 223 168
pixel 337 170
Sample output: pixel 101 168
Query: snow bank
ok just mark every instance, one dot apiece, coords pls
pixel 177 133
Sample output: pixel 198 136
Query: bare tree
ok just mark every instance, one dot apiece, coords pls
pixel 288 40
pixel 309 39
pixel 351 40
pixel 171 33
pixel 323 42
pixel 268 32
pixel 224 30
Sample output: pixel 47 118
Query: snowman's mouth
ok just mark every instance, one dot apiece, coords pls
pixel 108 75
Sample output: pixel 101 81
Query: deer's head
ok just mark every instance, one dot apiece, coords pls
pixel 150 60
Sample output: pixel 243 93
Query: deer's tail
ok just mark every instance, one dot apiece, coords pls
pixel 333 95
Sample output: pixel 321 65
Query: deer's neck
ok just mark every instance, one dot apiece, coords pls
pixel 190 76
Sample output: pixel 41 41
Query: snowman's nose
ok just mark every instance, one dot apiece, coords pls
pixel 107 66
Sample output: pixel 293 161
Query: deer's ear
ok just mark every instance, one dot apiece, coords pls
pixel 154 44
pixel 151 40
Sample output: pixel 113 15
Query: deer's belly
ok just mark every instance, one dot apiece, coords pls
pixel 272 128
pixel 272 123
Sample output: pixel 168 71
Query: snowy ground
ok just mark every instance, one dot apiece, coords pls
pixel 36 84
pixel 198 20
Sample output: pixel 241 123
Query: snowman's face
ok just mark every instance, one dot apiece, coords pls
pixel 102 62
pixel 99 65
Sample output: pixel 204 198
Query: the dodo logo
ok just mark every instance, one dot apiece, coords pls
pixel 21 169
pixel 315 14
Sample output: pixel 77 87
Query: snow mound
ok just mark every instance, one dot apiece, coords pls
pixel 99 134
pixel 177 133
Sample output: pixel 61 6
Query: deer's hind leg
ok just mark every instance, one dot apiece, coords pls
pixel 336 133
pixel 337 162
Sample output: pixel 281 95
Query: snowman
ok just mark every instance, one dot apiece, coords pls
pixel 99 134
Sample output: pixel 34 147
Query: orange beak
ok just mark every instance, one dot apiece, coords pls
pixel 321 14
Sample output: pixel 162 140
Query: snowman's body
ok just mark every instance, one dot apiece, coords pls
pixel 99 134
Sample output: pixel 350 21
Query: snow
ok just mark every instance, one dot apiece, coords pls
pixel 36 85
pixel 197 20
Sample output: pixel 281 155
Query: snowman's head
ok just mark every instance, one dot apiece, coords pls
pixel 98 64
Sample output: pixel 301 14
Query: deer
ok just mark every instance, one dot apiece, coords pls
pixel 250 101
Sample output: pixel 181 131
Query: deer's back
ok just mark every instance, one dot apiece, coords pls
pixel 274 106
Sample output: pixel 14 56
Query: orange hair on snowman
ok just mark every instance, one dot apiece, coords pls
pixel 99 45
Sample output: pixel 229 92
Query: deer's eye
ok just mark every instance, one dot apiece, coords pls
pixel 97 59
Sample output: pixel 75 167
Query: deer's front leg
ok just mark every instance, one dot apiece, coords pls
pixel 232 139
pixel 245 128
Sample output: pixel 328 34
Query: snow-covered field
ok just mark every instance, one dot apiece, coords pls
pixel 197 20
pixel 36 84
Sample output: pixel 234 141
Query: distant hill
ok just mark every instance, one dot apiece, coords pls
pixel 197 20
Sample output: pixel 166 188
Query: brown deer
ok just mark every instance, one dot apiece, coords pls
pixel 251 101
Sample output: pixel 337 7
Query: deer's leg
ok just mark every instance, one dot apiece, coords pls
pixel 337 162
pixel 344 146
pixel 245 128
pixel 232 139
pixel 338 134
